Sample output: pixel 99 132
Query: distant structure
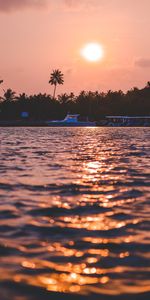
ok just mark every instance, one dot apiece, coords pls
pixel 24 114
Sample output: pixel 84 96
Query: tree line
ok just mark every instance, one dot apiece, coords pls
pixel 93 105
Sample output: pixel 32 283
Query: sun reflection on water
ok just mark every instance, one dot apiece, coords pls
pixel 80 227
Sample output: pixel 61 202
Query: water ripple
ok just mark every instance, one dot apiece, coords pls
pixel 74 213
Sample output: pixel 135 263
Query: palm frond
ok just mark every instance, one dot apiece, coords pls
pixel 56 77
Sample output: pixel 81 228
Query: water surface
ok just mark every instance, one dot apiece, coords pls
pixel 74 213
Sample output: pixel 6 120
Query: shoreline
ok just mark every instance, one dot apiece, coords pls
pixel 106 121
pixel 11 125
pixel 45 124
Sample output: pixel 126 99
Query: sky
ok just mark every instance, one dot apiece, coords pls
pixel 38 36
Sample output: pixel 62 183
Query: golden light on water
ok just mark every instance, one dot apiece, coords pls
pixel 92 217
pixel 86 273
pixel 92 52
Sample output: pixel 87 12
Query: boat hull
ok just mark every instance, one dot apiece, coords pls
pixel 69 124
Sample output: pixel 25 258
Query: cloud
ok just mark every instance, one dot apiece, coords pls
pixel 81 4
pixel 143 62
pixel 69 71
pixel 12 5
pixel 71 3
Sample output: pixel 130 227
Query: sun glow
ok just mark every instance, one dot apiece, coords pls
pixel 92 52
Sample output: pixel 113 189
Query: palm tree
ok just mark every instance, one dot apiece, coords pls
pixel 148 84
pixel 56 77
pixel 9 95
pixel 1 81
pixel 22 97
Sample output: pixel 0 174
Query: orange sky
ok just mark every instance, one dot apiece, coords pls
pixel 40 35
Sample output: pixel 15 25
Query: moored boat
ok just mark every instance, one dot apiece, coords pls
pixel 124 121
pixel 71 120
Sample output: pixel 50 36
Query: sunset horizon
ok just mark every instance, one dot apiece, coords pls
pixel 74 150
pixel 44 35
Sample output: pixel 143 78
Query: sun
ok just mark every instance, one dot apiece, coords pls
pixel 92 52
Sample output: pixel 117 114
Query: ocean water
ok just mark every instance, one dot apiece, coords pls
pixel 74 213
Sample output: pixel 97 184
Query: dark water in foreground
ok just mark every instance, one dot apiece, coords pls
pixel 74 213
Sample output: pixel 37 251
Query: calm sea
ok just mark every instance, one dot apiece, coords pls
pixel 74 213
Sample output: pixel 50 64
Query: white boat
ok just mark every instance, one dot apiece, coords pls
pixel 70 121
pixel 124 121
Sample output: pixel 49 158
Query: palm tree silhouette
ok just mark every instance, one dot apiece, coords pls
pixel 9 95
pixel 148 84
pixel 1 81
pixel 56 77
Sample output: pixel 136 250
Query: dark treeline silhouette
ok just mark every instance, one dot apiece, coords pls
pixel 93 105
